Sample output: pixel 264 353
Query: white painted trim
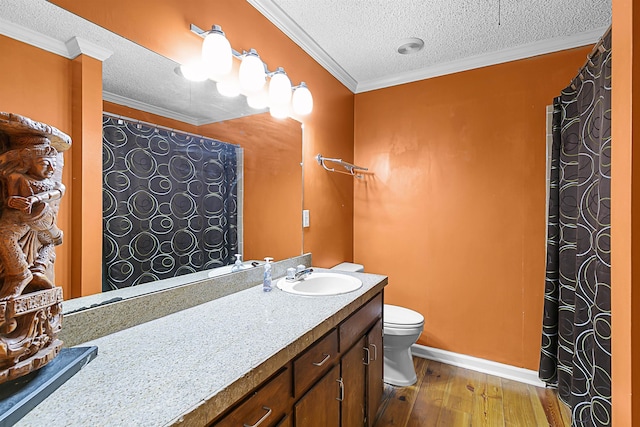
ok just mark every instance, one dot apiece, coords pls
pixel 280 19
pixel 476 364
pixel 33 38
pixel 69 50
pixel 270 10
pixel 479 61
pixel 78 46
pixel 142 106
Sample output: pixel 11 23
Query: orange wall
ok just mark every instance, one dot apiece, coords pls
pixel 328 130
pixel 37 84
pixel 272 183
pixel 625 208
pixel 454 213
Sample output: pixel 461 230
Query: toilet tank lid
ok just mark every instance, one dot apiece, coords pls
pixel 349 266
pixel 401 315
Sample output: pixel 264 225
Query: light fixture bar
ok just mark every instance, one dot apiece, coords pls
pixel 202 33
pixel 281 99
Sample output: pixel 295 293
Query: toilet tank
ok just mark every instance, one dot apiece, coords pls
pixel 349 266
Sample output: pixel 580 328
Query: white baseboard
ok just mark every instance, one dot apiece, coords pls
pixel 522 375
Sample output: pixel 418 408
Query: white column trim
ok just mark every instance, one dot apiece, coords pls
pixel 77 46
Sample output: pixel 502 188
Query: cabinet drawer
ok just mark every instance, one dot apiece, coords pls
pixel 359 322
pixel 314 362
pixel 266 406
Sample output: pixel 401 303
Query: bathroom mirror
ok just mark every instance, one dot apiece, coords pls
pixel 142 85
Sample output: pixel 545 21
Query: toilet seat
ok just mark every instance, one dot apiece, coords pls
pixel 401 317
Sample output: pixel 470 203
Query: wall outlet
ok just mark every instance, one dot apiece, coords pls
pixel 305 218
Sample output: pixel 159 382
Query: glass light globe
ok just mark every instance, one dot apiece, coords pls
pixel 258 101
pixel 279 111
pixel 216 52
pixel 279 89
pixel 194 71
pixel 228 87
pixel 302 101
pixel 251 74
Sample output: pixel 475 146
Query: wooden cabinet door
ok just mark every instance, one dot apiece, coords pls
pixel 353 376
pixel 375 385
pixel 320 406
pixel 287 421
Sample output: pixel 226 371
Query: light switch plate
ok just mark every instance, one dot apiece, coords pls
pixel 305 218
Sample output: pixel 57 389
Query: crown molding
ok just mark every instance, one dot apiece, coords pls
pixel 159 111
pixel 69 50
pixel 277 16
pixel 33 38
pixel 280 19
pixel 507 55
pixel 79 46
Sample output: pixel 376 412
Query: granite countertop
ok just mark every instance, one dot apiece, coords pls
pixel 188 367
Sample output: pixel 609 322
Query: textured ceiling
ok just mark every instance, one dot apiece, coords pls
pixel 132 75
pixel 357 40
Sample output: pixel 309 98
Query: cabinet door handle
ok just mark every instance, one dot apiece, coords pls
pixel 264 417
pixel 326 357
pixel 341 383
pixel 375 351
pixel 367 358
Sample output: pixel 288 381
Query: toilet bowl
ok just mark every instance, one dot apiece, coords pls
pixel 401 329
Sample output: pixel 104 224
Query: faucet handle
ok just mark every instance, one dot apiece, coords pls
pixel 300 267
pixel 291 273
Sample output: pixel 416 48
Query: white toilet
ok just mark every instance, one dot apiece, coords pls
pixel 401 329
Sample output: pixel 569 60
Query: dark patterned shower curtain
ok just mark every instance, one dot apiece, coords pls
pixel 169 203
pixel 576 336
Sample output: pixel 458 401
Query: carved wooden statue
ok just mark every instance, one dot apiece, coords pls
pixel 31 163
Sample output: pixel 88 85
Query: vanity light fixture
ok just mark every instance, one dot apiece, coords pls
pixel 279 88
pixel 216 63
pixel 216 52
pixel 228 87
pixel 259 100
pixel 279 111
pixel 302 101
pixel 251 73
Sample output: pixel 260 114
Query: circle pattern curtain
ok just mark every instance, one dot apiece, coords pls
pixel 169 203
pixel 576 336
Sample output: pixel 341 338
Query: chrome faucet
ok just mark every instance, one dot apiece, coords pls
pixel 298 273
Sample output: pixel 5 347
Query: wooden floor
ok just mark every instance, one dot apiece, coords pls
pixel 449 396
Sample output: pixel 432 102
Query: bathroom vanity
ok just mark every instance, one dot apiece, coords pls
pixel 336 381
pixel 250 357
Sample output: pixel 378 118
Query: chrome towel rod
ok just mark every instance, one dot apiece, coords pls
pixel 351 168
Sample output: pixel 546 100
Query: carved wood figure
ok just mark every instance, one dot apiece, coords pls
pixel 31 162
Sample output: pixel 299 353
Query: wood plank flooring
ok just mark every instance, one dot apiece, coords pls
pixel 448 396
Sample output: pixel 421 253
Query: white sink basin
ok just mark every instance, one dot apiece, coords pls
pixel 321 284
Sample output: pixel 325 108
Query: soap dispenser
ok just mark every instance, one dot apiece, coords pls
pixel 237 266
pixel 266 283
